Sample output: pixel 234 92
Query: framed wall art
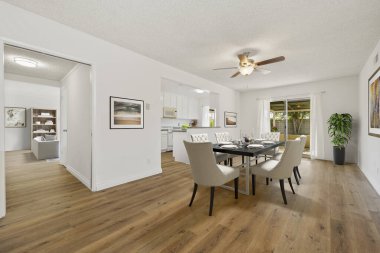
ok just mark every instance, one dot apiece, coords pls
pixel 230 119
pixel 126 113
pixel 15 117
pixel 374 104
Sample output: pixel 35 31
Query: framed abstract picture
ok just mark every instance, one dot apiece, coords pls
pixel 230 119
pixel 15 117
pixel 374 104
pixel 126 113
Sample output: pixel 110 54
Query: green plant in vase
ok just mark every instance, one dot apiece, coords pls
pixel 340 129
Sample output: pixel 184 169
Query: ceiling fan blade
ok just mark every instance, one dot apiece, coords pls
pixel 235 75
pixel 225 68
pixel 269 61
pixel 263 71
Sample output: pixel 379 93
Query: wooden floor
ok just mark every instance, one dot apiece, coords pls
pixel 48 210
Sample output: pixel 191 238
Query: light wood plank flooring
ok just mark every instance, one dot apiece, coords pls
pixel 334 210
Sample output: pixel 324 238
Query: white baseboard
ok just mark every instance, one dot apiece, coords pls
pixel 79 176
pixel 111 183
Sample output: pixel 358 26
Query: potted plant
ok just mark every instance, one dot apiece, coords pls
pixel 340 128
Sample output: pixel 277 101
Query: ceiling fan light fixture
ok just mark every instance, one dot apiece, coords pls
pixel 246 70
pixel 25 62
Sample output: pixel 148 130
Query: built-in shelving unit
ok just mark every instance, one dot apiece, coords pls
pixel 44 121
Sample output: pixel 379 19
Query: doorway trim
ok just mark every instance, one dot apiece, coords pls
pixel 7 41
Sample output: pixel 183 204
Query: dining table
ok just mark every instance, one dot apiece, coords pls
pixel 247 151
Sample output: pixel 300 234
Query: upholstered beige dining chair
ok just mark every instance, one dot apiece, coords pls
pixel 279 169
pixel 220 157
pixel 225 138
pixel 296 172
pixel 271 136
pixel 206 172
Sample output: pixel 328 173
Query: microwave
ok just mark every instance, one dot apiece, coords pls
pixel 170 112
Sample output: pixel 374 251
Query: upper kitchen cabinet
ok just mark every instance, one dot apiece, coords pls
pixel 170 99
pixel 185 99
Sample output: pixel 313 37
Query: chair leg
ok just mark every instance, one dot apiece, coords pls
pixel 257 161
pixel 291 185
pixel 194 192
pixel 225 162
pixel 253 184
pixel 283 191
pixel 231 162
pixel 271 179
pixel 265 157
pixel 298 172
pixel 211 200
pixel 295 175
pixel 236 184
pixel 267 180
pixel 242 160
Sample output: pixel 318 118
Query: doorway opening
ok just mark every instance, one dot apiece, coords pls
pixel 291 117
pixel 48 115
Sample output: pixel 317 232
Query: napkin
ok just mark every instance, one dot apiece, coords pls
pixel 268 142
pixel 229 146
pixel 255 146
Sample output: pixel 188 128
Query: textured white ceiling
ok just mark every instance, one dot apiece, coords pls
pixel 320 39
pixel 49 67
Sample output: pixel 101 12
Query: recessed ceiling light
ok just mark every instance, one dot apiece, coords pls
pixel 25 62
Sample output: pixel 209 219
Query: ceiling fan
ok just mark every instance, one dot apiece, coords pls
pixel 247 66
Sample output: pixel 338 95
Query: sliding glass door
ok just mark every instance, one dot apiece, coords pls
pixel 291 117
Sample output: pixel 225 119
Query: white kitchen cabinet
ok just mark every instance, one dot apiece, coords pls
pixel 193 108
pixel 164 141
pixel 180 114
pixel 170 99
pixel 162 105
pixel 187 107
pixel 170 141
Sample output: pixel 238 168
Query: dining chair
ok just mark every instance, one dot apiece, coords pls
pixel 224 137
pixel 296 172
pixel 207 172
pixel 279 169
pixel 271 136
pixel 220 157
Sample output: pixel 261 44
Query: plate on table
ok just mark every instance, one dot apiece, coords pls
pixel 229 146
pixel 267 142
pixel 225 142
pixel 255 146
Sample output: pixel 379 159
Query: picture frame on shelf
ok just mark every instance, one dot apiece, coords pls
pixel 374 104
pixel 126 113
pixel 15 117
pixel 230 119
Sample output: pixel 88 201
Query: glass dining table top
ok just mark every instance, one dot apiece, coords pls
pixel 244 149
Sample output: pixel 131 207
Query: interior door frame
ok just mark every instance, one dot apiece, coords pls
pixel 6 41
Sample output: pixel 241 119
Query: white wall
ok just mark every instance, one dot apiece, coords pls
pixel 29 94
pixel 369 146
pixel 2 148
pixel 119 155
pixel 340 97
pixel 77 87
